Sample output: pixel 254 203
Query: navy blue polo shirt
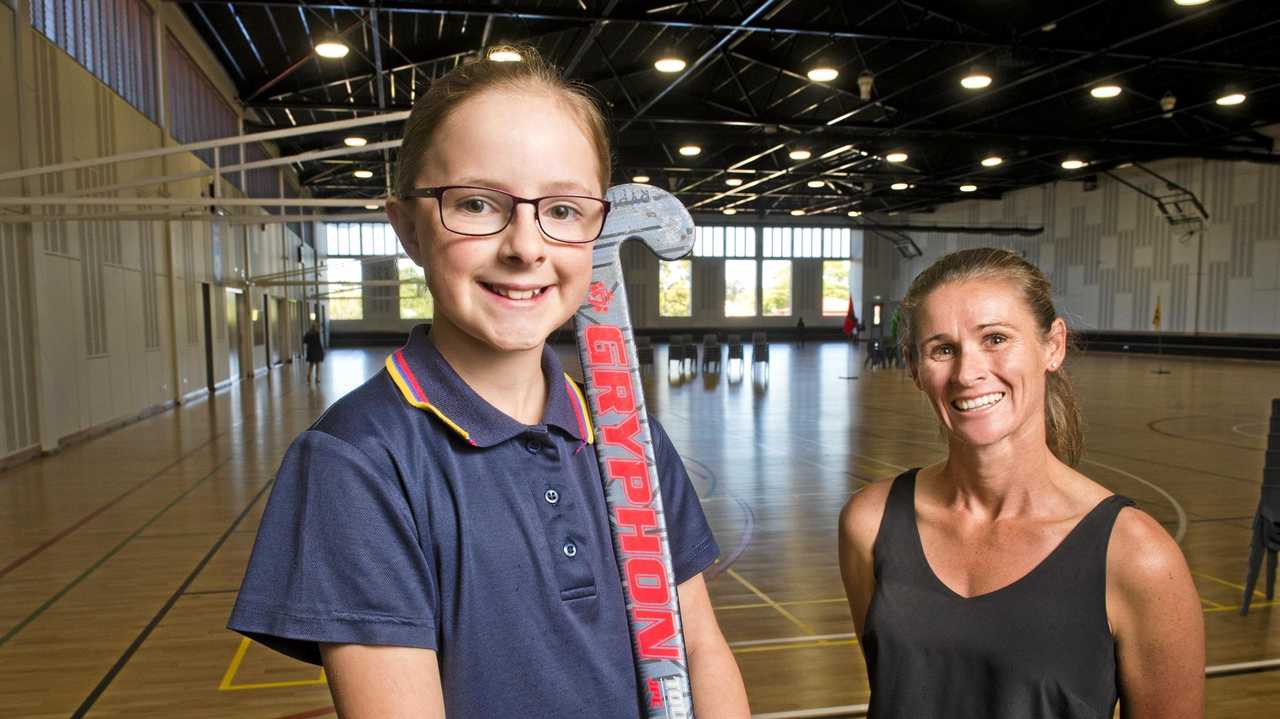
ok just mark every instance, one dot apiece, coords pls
pixel 414 513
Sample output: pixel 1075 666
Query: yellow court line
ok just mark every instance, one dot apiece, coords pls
pixel 1255 605
pixel 1212 603
pixel 226 684
pixel 798 645
pixel 769 600
pixel 757 605
pixel 1224 582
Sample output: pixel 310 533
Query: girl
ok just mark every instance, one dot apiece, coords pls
pixel 439 538
pixel 1001 582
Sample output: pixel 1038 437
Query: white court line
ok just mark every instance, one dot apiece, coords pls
pixel 1182 513
pixel 789 640
pixel 1236 429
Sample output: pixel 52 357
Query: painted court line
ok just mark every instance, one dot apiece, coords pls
pixel 769 600
pixel 1177 507
pixel 228 679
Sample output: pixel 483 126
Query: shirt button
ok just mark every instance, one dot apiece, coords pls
pixel 570 550
pixel 552 496
pixel 532 446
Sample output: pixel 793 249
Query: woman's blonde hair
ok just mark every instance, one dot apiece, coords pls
pixel 531 72
pixel 1063 421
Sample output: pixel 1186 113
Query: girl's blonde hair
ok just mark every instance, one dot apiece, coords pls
pixel 1063 421
pixel 471 78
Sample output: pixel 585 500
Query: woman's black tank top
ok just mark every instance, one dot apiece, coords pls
pixel 1037 648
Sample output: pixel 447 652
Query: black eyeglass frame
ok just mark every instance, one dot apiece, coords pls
pixel 437 193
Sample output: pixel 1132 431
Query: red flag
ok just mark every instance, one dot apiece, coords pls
pixel 850 319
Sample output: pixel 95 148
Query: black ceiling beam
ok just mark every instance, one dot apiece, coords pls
pixel 533 13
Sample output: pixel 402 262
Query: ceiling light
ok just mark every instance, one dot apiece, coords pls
pixel 816 183
pixel 729 211
pixel 866 81
pixel 800 154
pixel 733 181
pixel 640 178
pixel 1168 101
pixel 1234 98
pixel 370 207
pixel 669 64
pixel 797 213
pixel 1073 164
pixel 504 54
pixel 899 186
pixel 855 213
pixel 896 157
pixel 363 174
pixel 975 80
pixel 690 150
pixel 992 161
pixel 1104 92
pixel 354 141
pixel 332 49
pixel 968 188
pixel 823 74
pixel 1189 3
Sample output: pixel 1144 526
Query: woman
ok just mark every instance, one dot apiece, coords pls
pixel 315 351
pixel 1001 582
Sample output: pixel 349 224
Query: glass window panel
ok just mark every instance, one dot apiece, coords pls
pixel 775 287
pixel 345 301
pixel 835 288
pixel 675 288
pixel 415 298
pixel 717 241
pixel 740 288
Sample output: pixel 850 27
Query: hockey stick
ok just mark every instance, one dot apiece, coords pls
pixel 624 449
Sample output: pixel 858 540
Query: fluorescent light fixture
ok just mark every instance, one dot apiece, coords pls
pixel 640 178
pixel 975 80
pixel 896 157
pixel 504 54
pixel 823 74
pixel 733 181
pixel 816 183
pixel 855 213
pixel 354 141
pixel 800 154
pixel 370 207
pixel 669 64
pixel 836 151
pixel 332 49
pixel 992 161
pixel 363 174
pixel 1105 92
pixel 1190 3
pixel 968 188
pixel 690 150
pixel 899 186
pixel 1234 98
pixel 729 211
pixel 1073 164
pixel 797 213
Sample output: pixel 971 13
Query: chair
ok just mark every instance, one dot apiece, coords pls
pixel 759 348
pixel 675 353
pixel 1265 545
pixel 735 349
pixel 644 352
pixel 690 352
pixel 710 352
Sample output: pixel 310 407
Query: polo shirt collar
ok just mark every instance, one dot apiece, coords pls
pixel 427 381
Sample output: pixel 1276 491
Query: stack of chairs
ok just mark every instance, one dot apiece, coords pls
pixel 644 352
pixel 690 352
pixel 1265 545
pixel 675 352
pixel 710 352
pixel 759 348
pixel 735 349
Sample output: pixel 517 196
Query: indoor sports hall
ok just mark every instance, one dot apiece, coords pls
pixel 188 188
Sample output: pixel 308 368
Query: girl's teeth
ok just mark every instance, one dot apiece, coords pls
pixel 515 294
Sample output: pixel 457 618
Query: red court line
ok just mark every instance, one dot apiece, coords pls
pixel 311 713
pixel 89 517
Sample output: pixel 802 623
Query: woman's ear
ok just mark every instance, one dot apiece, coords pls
pixel 1056 344
pixel 400 213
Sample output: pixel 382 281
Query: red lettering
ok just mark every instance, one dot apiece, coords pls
pixel 634 476
pixel 605 346
pixel 638 541
pixel 621 434
pixel 615 390
pixel 653 637
pixel 648 581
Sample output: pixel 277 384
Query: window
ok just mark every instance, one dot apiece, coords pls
pixel 675 288
pixel 345 300
pixel 197 111
pixel 835 288
pixel 112 39
pixel 830 242
pixel 721 241
pixel 360 239
pixel 415 300
pixel 776 288
pixel 739 288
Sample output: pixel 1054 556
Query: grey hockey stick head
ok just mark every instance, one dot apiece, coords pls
pixel 649 214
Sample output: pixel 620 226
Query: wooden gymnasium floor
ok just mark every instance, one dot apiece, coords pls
pixel 119 557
